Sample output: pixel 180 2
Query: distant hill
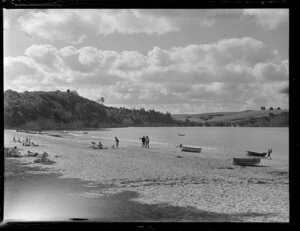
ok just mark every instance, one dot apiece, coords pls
pixel 67 110
pixel 249 118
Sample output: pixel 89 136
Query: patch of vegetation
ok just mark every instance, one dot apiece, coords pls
pixel 67 110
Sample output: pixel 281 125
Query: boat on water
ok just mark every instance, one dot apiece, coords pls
pixel 186 148
pixel 260 154
pixel 85 133
pixel 181 134
pixel 246 161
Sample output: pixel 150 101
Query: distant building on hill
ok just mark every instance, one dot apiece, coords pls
pixel 263 108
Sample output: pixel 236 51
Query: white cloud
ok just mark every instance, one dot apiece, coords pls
pixel 267 18
pixel 272 71
pixel 227 72
pixel 75 25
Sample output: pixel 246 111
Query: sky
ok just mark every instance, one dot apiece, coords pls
pixel 182 61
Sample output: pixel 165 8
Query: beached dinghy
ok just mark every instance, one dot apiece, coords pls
pixel 260 154
pixel 246 161
pixel 191 149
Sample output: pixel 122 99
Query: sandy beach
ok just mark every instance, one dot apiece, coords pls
pixel 159 177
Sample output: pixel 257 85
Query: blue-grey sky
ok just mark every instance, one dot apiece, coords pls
pixel 180 61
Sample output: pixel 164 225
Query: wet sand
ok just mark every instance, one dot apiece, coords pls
pixel 135 184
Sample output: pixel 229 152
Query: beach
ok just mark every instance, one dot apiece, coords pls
pixel 157 178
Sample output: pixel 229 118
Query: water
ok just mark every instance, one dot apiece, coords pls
pixel 230 141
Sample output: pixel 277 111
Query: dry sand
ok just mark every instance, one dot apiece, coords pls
pixel 206 182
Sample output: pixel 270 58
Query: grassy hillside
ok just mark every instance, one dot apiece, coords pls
pixel 68 110
pixel 250 118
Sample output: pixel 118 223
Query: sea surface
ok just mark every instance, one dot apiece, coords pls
pixel 224 141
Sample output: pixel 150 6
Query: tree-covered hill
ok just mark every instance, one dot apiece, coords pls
pixel 68 110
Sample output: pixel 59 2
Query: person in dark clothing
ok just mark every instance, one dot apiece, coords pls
pixel 143 141
pixel 269 153
pixel 117 142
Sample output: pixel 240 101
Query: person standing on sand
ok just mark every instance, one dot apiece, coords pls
pixel 147 140
pixel 14 139
pixel 143 141
pixel 117 142
pixel 269 153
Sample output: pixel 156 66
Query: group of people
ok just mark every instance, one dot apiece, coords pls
pixel 145 141
pixel 100 145
pixel 15 140
pixel 26 142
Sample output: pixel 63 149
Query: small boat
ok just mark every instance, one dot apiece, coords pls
pixel 246 161
pixel 85 133
pixel 260 154
pixel 181 134
pixel 191 149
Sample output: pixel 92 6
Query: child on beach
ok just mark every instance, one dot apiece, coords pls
pixel 14 139
pixel 117 142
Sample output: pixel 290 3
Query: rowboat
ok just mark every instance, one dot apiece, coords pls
pixel 181 134
pixel 246 161
pixel 260 154
pixel 191 149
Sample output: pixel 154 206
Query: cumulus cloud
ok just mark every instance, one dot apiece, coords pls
pixel 229 71
pixel 74 25
pixel 267 18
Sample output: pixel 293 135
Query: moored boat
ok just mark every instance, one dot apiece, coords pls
pixel 260 154
pixel 181 134
pixel 191 149
pixel 246 161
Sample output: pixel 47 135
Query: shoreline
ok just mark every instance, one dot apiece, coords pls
pixel 204 184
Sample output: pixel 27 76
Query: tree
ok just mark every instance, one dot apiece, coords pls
pixel 262 108
pixel 278 108
pixel 271 108
pixel 100 100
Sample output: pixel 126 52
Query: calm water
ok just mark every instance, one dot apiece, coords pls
pixel 233 141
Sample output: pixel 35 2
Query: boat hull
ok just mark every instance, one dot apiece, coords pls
pixel 190 149
pixel 260 154
pixel 246 161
